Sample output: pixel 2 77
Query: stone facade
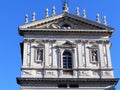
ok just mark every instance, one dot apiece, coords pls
pixel 84 66
pixel 66 51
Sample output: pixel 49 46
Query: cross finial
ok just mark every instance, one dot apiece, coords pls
pixel 26 19
pixel 65 7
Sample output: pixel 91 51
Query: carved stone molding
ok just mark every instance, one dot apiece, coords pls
pixel 26 72
pixel 52 41
pixel 93 41
pixel 84 73
pixel 29 40
pixel 48 41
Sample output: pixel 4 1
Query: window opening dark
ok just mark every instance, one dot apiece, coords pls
pixel 73 85
pixel 62 85
pixel 67 60
pixel 67 63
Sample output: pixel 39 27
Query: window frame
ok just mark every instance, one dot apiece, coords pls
pixel 69 65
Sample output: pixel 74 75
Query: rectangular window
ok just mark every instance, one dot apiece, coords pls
pixel 73 85
pixel 62 85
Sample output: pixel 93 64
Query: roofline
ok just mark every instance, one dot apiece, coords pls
pixel 88 20
pixel 42 20
pixel 63 15
pixel 67 80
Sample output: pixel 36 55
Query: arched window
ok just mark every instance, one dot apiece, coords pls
pixel 67 62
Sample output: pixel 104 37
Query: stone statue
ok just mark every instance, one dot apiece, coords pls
pixel 39 54
pixel 94 55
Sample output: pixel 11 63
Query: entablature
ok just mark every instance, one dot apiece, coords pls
pixel 34 31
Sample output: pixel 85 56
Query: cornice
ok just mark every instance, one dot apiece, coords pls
pixel 65 15
pixel 93 41
pixel 100 81
pixel 36 31
pixel 80 68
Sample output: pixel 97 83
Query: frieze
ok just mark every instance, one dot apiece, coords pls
pixel 95 73
pixel 107 73
pixel 29 40
pixel 93 41
pixel 26 72
pixel 38 72
pixel 84 73
pixel 48 41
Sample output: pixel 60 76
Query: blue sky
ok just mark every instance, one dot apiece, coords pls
pixel 12 14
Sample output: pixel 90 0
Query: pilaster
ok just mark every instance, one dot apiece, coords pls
pixel 53 54
pixel 80 53
pixel 105 55
pixel 32 55
pixel 83 62
pixel 108 54
pixel 86 52
pixel 47 52
pixel 25 53
pixel 74 53
pixel 101 56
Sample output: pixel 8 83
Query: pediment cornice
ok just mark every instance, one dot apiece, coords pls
pixel 67 44
pixel 73 20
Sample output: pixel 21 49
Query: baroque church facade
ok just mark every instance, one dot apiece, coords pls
pixel 66 51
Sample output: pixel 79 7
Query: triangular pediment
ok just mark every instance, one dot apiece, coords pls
pixel 65 21
pixel 67 44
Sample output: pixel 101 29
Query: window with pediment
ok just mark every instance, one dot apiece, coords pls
pixel 66 57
